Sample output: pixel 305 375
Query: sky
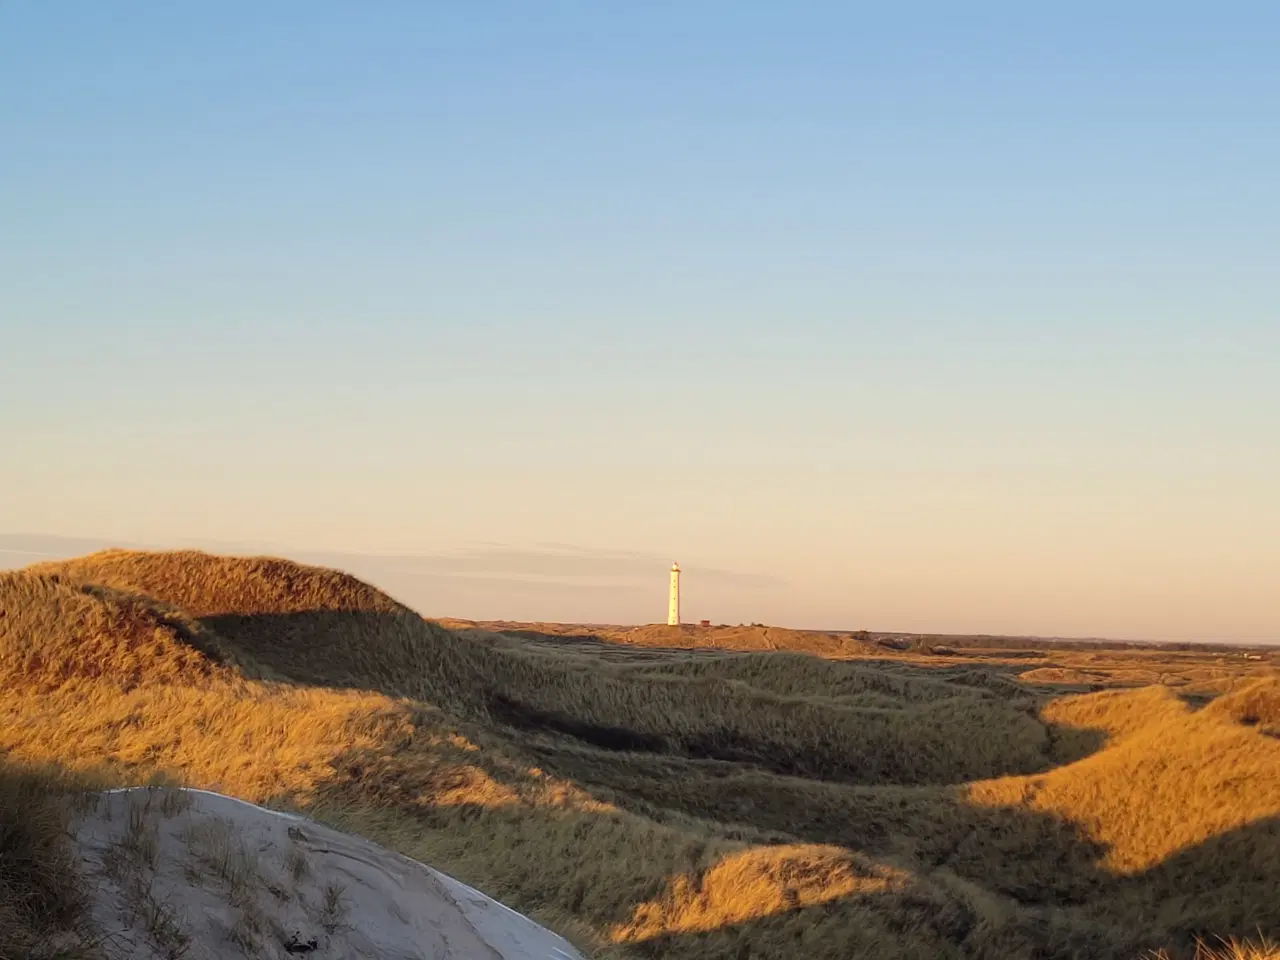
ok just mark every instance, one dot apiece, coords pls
pixel 921 316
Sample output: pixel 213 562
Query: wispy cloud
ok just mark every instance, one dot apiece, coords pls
pixel 486 562
pixel 559 562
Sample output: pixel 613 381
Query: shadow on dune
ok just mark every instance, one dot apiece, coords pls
pixel 350 649
pixel 1041 859
pixel 1228 884
pixel 998 883
pixel 935 875
pixel 672 891
pixel 686 640
pixel 1227 887
pixel 876 725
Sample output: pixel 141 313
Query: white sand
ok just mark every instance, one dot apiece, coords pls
pixel 186 873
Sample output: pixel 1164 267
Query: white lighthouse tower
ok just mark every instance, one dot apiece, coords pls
pixel 673 609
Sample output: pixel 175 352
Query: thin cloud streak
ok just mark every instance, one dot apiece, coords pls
pixel 486 564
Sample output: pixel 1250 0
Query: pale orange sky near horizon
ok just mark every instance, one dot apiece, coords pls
pixel 1154 594
pixel 970 518
pixel 869 319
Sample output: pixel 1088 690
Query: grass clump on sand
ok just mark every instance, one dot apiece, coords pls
pixel 677 803
pixel 42 899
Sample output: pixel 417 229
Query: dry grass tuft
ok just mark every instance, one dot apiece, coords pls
pixel 215 846
pixel 42 900
pixel 333 909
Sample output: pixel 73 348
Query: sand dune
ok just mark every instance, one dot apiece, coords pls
pixel 648 793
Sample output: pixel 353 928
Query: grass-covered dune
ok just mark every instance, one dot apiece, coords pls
pixel 679 803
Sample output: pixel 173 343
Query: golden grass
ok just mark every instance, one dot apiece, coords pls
pixel 682 804
pixel 206 585
pixel 755 883
pixel 1230 949
pixel 491 679
pixel 1169 784
pixel 1256 704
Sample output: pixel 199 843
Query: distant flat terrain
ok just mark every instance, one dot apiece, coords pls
pixel 1195 670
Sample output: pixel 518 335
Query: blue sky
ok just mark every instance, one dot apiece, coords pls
pixel 895 316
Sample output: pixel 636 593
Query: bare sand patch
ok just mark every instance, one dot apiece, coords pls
pixel 187 873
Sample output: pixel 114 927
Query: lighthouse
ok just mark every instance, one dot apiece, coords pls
pixel 673 608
